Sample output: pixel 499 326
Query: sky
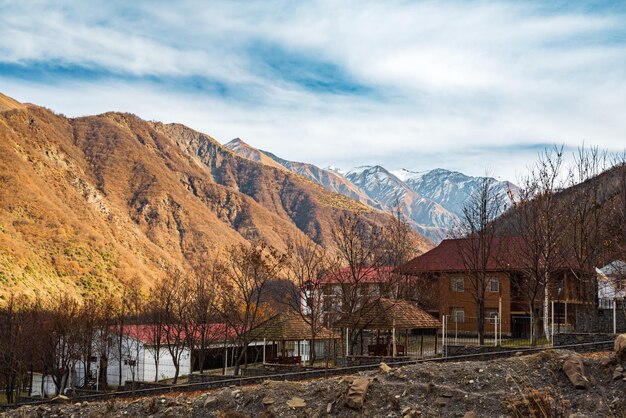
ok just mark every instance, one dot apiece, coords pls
pixel 468 86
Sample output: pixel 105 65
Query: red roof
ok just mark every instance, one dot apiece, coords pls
pixel 447 256
pixel 363 275
pixel 146 333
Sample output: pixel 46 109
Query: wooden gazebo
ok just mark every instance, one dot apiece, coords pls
pixel 287 327
pixel 389 315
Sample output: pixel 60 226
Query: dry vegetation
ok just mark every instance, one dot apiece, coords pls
pixel 89 204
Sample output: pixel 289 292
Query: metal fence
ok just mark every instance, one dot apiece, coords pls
pixel 415 343
pixel 513 332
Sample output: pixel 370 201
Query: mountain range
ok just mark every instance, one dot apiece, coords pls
pixel 430 201
pixel 88 204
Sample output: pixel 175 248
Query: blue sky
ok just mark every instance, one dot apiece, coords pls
pixel 467 86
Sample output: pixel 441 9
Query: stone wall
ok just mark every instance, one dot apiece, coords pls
pixel 473 350
pixel 201 378
pixel 269 369
pixel 367 360
pixel 600 320
pixel 574 339
pixel 130 385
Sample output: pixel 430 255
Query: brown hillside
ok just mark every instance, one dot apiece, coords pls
pixel 7 103
pixel 243 149
pixel 87 204
pixel 330 180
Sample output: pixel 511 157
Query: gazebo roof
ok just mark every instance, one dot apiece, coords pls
pixel 289 326
pixel 387 314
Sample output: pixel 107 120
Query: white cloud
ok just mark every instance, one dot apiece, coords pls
pixel 464 85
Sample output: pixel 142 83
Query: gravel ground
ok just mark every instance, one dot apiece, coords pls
pixel 502 387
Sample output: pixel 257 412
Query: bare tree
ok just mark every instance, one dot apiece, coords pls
pixel 399 246
pixel 172 297
pixel 17 342
pixel 58 339
pixel 356 278
pixel 538 221
pixel 307 268
pixel 586 229
pixel 103 342
pixel 88 322
pixel 478 247
pixel 155 330
pixel 128 308
pixel 249 268
pixel 204 305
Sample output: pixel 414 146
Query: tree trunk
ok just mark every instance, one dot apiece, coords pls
pixel 481 322
pixel 156 364
pixel 240 356
pixel 534 327
pixel 312 354
pixel 120 354
pixel 546 307
pixel 176 367
pixel 201 356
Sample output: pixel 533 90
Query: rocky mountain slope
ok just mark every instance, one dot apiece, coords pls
pixel 90 203
pixel 431 201
pixel 451 189
pixel 426 216
pixel 330 180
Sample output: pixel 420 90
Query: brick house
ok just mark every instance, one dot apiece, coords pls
pixel 443 287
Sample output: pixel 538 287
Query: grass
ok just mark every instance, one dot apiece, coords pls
pixel 523 343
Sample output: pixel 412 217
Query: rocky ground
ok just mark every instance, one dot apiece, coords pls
pixel 533 385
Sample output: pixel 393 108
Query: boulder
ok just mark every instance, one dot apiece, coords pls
pixel 608 361
pixel 296 402
pixel 385 367
pixel 620 347
pixel 209 401
pixel 60 399
pixel 574 368
pixel 355 398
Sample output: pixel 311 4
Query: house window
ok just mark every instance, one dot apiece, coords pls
pixel 490 315
pixel 457 284
pixel 493 285
pixel 131 363
pixel 457 315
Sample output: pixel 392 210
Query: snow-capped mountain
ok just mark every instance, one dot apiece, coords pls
pixel 426 215
pixel 328 179
pixel 431 201
pixel 452 189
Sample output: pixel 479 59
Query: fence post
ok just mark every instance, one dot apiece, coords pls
pixel 552 329
pixel 443 337
pixel 614 315
pixel 495 331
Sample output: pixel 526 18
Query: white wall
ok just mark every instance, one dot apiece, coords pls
pixel 166 364
pixel 145 368
pixel 49 388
